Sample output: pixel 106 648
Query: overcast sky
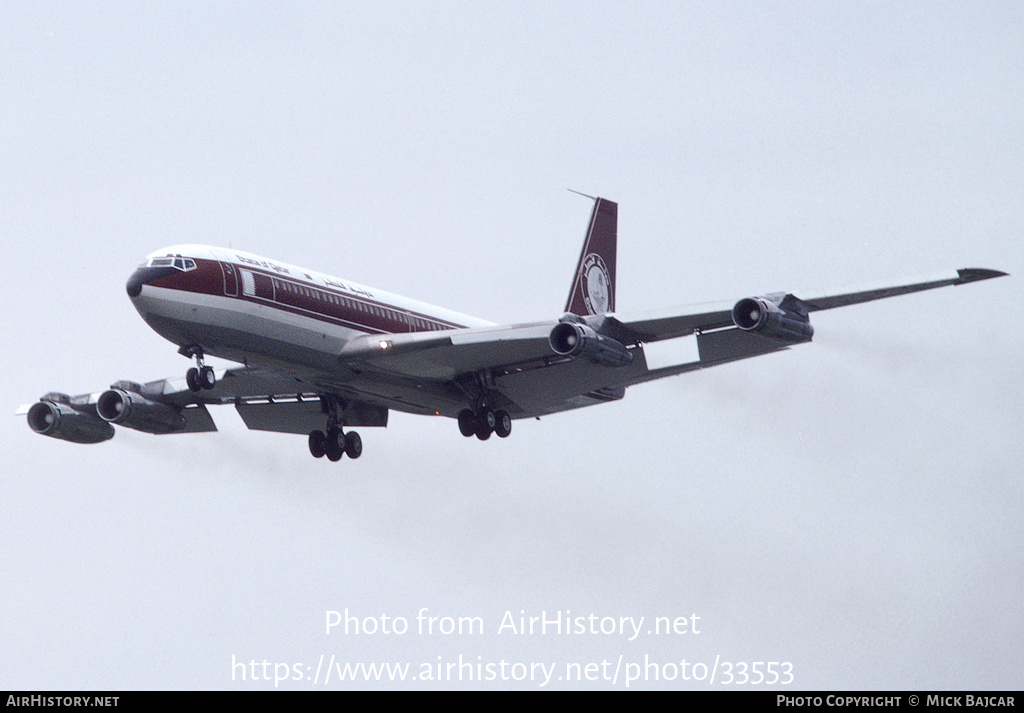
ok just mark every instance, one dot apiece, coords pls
pixel 851 506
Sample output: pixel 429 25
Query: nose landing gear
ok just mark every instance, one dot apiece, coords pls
pixel 199 377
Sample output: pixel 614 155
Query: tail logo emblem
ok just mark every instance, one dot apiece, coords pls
pixel 596 284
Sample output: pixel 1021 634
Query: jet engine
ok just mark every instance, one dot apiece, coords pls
pixel 55 417
pixel 571 339
pixel 130 409
pixel 767 317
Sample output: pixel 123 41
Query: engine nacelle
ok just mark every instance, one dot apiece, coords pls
pixel 765 317
pixel 132 410
pixel 579 340
pixel 57 419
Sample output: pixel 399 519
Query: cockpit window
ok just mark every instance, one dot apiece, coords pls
pixel 180 263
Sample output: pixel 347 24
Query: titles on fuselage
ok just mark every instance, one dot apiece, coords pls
pixel 348 288
pixel 262 263
pixel 285 271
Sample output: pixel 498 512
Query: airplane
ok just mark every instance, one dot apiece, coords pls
pixel 321 355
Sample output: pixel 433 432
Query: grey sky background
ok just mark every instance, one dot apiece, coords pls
pixel 852 506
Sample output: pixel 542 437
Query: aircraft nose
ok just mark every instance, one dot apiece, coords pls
pixel 134 285
pixel 145 275
pixel 135 282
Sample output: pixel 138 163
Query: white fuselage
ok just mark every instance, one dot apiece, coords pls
pixel 252 310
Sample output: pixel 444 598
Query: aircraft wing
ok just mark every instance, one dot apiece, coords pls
pixel 534 379
pixel 266 401
pixel 681 321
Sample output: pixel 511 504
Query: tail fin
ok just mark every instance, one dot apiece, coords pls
pixel 593 285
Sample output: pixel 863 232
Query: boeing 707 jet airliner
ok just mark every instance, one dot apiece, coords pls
pixel 321 355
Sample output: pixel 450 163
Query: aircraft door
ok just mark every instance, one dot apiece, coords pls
pixel 230 275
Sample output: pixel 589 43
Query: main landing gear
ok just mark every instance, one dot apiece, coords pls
pixel 199 377
pixel 483 422
pixel 334 442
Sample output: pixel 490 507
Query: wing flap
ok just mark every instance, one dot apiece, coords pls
pixel 197 420
pixel 732 344
pixel 303 416
pixel 232 384
pixel 667 323
pixel 287 417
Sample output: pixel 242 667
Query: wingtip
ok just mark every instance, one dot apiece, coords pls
pixel 973 274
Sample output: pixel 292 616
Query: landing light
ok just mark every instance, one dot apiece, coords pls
pixel 385 344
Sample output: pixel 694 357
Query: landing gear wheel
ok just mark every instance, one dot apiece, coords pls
pixel 502 424
pixel 207 379
pixel 485 426
pixel 192 379
pixel 467 423
pixel 317 446
pixel 334 444
pixel 488 418
pixel 353 445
